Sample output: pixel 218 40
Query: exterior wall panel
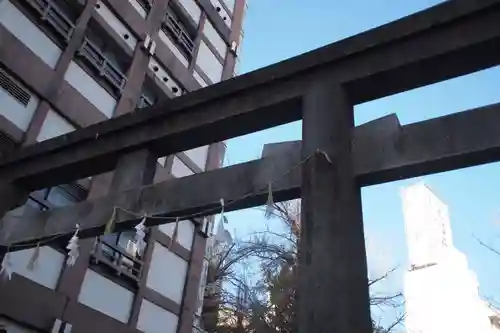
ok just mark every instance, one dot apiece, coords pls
pixel 192 8
pixel 209 63
pixel 179 169
pixel 167 266
pixel 166 40
pixel 142 12
pixel 106 296
pixel 47 268
pixel 29 34
pixel 154 319
pixel 90 89
pixel 185 232
pixel 200 80
pixel 161 74
pixel 222 12
pixel 114 22
pixel 215 39
pixel 198 156
pixel 54 125
pixel 230 5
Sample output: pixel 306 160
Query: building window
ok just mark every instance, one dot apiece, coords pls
pixel 56 17
pixel 117 254
pixel 107 61
pixel 103 64
pixel 53 197
pixel 58 196
pixel 179 28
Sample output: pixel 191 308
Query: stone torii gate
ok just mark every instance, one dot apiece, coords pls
pixel 320 87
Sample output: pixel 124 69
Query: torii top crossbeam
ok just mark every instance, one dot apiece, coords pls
pixel 448 40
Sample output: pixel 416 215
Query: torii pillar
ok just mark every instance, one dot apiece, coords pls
pixel 333 292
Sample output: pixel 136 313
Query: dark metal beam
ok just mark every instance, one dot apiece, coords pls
pixel 383 151
pixel 454 38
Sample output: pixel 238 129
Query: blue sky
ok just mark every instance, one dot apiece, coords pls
pixel 279 29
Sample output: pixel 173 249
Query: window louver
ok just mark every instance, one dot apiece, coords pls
pixel 14 89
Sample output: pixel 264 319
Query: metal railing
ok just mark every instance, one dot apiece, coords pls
pixel 96 58
pixel 54 15
pixel 178 31
pixel 118 259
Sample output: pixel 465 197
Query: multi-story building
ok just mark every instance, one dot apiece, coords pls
pixel 68 64
pixel 441 291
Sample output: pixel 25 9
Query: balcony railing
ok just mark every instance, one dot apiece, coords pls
pixel 51 13
pixel 123 262
pixel 178 31
pixel 99 61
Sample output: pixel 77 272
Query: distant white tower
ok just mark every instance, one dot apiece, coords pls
pixel 427 225
pixel 441 292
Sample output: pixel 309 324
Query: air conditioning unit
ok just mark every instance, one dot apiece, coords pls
pixel 149 45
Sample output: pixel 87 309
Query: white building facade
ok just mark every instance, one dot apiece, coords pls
pixel 441 292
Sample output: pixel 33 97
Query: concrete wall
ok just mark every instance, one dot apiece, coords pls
pixel 28 33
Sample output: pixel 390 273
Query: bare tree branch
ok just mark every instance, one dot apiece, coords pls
pixel 397 322
pixel 487 246
pixel 266 303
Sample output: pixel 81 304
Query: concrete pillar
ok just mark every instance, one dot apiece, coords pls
pixel 133 170
pixel 333 284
